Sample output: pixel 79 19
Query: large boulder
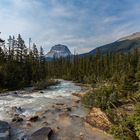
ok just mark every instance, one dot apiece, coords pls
pixel 42 134
pixel 80 94
pixel 4 130
pixel 98 119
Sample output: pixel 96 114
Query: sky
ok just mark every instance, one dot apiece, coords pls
pixel 82 25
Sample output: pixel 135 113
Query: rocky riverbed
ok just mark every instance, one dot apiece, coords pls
pixel 54 114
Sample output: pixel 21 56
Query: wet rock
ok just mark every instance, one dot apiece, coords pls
pixel 25 137
pixel 48 110
pixel 14 108
pixel 28 125
pixel 75 105
pixel 98 119
pixel 17 119
pixel 81 135
pixel 58 109
pixel 33 119
pixel 58 127
pixel 61 104
pixel 75 116
pixel 43 117
pixel 45 123
pixel 77 101
pixel 60 96
pixel 17 109
pixel 69 108
pixel 40 113
pixel 76 94
pixel 22 116
pixel 64 114
pixel 15 93
pixel 4 130
pixel 56 130
pixel 42 134
pixel 41 91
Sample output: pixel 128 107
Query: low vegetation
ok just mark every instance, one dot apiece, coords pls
pixel 103 97
pixel 40 85
pixel 122 109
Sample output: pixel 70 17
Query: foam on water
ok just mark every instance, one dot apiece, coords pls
pixel 36 101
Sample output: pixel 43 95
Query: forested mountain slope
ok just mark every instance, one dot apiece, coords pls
pixel 124 45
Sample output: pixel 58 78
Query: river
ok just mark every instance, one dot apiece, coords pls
pixel 50 105
pixel 36 101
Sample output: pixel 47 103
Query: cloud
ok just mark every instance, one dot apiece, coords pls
pixel 60 11
pixel 82 25
pixel 111 19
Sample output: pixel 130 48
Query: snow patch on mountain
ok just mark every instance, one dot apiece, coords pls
pixel 58 51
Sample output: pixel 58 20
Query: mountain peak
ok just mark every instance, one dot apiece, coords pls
pixel 58 51
pixel 130 37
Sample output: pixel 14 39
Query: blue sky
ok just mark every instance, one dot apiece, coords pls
pixel 79 24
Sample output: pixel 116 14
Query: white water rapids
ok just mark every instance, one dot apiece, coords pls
pixel 36 101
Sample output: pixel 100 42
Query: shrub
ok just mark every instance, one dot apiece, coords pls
pixel 103 97
pixel 45 84
pixel 128 128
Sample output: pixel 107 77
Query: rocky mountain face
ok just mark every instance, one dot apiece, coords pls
pixel 58 51
pixel 131 37
pixel 125 44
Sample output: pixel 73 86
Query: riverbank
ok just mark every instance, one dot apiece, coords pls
pixel 38 87
pixel 114 110
pixel 96 118
pixel 56 109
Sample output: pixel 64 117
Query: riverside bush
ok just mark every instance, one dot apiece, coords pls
pixel 103 97
pixel 129 127
pixel 43 84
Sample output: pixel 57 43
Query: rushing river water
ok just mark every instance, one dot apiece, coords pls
pixel 33 102
pixel 52 102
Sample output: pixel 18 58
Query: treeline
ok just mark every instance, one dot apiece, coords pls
pixel 120 68
pixel 20 65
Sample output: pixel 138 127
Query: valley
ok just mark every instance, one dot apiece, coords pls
pixel 55 108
